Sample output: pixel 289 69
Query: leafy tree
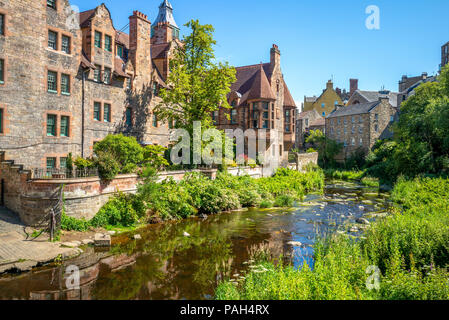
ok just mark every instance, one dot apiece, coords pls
pixel 327 148
pixel 154 156
pixel 197 84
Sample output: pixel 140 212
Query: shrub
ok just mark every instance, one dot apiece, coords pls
pixel 72 224
pixel 82 163
pixel 284 201
pixel 265 204
pixel 108 167
pixel 125 150
pixel 123 210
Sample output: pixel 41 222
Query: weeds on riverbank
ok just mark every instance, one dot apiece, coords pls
pixel 360 176
pixel 198 195
pixel 410 248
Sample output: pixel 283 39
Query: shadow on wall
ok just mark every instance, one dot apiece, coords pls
pixel 137 106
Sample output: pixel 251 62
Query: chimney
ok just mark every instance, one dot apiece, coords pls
pixel 424 75
pixel 329 85
pixel 140 48
pixel 353 85
pixel 338 90
pixel 275 58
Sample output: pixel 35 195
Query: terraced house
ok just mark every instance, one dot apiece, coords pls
pixel 260 99
pixel 359 126
pixel 67 80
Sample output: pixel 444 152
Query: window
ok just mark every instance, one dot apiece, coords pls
pixel 120 51
pixel 332 130
pixel 108 43
pixel 154 89
pixel 353 119
pixel 97 107
pixel 2 71
pixel 52 40
pixel 287 127
pixel 353 130
pixel 155 124
pixel 1 120
pixel 129 121
pixel 346 121
pixel 360 130
pixel 307 122
pixel 266 124
pixel 215 116
pixel 51 4
pixel 336 102
pixel 345 143
pixel 65 84
pixel 51 82
pixel 107 112
pixel 376 128
pixel 361 142
pixel 323 105
pixel 128 83
pixel 324 114
pixel 107 76
pixel 391 118
pixel 65 44
pixel 360 119
pixel 376 117
pixel 233 116
pixel 98 36
pixel 353 141
pixel 65 123
pixel 63 163
pixel 51 163
pixel 97 73
pixel 2 24
pixel 265 105
pixel 51 125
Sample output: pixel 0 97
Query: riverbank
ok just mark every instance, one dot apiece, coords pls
pixel 408 249
pixel 186 259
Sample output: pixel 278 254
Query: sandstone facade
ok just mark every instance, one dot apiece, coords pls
pixel 68 84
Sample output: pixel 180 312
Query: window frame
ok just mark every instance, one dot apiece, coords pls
pixel 108 106
pixel 95 112
pixel 97 74
pixel 107 75
pixel 54 4
pixel 99 41
pixel 3 24
pixel 2 71
pixel 55 159
pixel 64 133
pixel 2 120
pixel 52 32
pixel 54 128
pixel 68 85
pixel 55 90
pixel 106 47
pixel 69 46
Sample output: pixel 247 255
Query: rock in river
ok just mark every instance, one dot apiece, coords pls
pixel 295 243
pixel 362 221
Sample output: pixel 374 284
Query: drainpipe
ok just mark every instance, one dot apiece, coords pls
pixel 83 112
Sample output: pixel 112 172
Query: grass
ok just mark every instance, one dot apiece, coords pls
pixel 410 249
pixel 353 175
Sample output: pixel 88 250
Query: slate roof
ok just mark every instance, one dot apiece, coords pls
pixel 318 123
pixel 288 99
pixel 122 38
pixel 354 109
pixel 165 14
pixel 311 99
pixel 260 86
pixel 158 50
pixel 373 96
pixel 85 17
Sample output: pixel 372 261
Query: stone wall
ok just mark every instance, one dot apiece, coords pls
pixel 304 159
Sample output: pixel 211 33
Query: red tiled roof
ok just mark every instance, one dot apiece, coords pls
pixel 158 50
pixel 119 66
pixel 260 87
pixel 288 99
pixel 85 17
pixel 122 38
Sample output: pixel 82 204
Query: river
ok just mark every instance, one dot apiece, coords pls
pixel 187 259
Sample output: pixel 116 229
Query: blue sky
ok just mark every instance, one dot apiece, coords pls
pixel 318 39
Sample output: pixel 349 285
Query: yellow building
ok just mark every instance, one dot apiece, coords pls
pixel 325 103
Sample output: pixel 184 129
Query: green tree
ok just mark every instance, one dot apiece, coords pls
pixel 327 148
pixel 198 85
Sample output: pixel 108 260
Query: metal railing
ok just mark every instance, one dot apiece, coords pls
pixel 62 174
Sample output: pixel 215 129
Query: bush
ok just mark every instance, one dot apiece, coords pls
pixel 265 204
pixel 108 167
pixel 72 224
pixel 82 163
pixel 126 151
pixel 284 201
pixel 123 210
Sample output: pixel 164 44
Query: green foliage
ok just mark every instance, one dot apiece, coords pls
pixel 284 201
pixel 198 85
pixel 327 148
pixel 125 151
pixel 410 248
pixel 123 210
pixel 82 163
pixel 108 166
pixel 311 150
pixel 266 204
pixel 72 224
pixel 154 156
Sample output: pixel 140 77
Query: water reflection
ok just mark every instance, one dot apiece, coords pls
pixel 166 264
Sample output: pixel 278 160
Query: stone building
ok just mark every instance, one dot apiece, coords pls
pixel 325 103
pixel 407 86
pixel 444 54
pixel 260 99
pixel 362 97
pixel 361 125
pixel 69 80
pixel 306 121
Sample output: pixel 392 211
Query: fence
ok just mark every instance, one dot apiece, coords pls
pixel 61 174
